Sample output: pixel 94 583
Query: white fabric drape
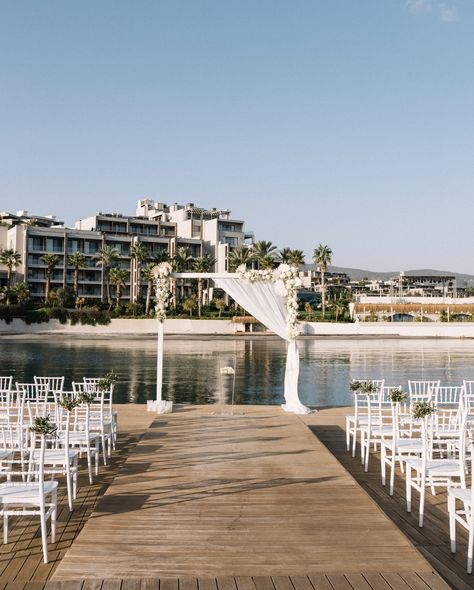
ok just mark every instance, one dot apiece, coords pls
pixel 261 299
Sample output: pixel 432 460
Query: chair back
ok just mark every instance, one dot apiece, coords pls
pixel 54 387
pixel 5 390
pixel 423 390
pixel 449 396
pixel 35 398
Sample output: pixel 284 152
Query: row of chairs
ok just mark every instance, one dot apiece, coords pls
pixel 429 435
pixel 85 423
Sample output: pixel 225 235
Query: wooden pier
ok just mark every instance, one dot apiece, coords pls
pixel 255 494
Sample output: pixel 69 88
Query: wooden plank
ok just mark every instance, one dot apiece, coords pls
pixel 169 584
pixel 282 583
pixel 92 585
pixel 396 581
pixel 131 584
pixel 339 582
pixel 433 581
pixel 358 582
pixel 301 583
pixel 377 582
pixel 149 584
pixel 243 583
pixel 187 584
pixel 263 583
pixel 207 584
pixel 320 583
pixel 112 585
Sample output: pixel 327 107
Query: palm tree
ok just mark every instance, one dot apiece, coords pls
pixel 51 261
pixel 267 261
pixel 262 250
pixel 202 264
pixel 77 261
pixel 238 256
pixel 11 259
pixel 190 304
pixel 22 292
pixel 105 258
pixel 139 254
pixel 296 258
pixel 283 255
pixel 147 273
pixel 118 277
pixel 181 262
pixel 322 256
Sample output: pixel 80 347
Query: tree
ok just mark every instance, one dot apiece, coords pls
pixel 77 261
pixel 190 304
pixel 322 256
pixel 105 258
pixel 50 261
pixel 267 261
pixel 262 251
pixel 147 273
pixel 11 259
pixel 118 277
pixel 21 292
pixel 220 304
pixel 181 261
pixel 296 258
pixel 238 256
pixel 202 264
pixel 283 255
pixel 139 254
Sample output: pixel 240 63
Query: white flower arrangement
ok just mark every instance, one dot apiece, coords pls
pixel 227 371
pixel 287 282
pixel 161 273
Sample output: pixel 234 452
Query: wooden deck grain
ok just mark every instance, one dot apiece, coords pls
pixel 255 497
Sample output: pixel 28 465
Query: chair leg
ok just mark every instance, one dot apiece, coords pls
pixel 5 528
pixel 408 488
pixel 97 456
pixel 348 436
pixel 367 455
pixel 422 502
pixel 74 478
pixel 452 521
pixel 44 536
pixel 354 440
pixel 54 516
pixel 383 464
pixel 89 464
pixel 393 462
pixel 470 544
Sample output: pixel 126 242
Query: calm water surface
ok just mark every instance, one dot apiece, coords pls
pixel 192 367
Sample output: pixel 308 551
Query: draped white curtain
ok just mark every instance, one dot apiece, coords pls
pixel 261 299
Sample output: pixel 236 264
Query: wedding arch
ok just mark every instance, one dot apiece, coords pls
pixel 269 295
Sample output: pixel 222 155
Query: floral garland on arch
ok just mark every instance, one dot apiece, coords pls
pixel 162 278
pixel 286 281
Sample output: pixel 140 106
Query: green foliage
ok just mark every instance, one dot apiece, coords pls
pixel 107 381
pixel 398 397
pixel 44 426
pixel 363 387
pixel 68 403
pixel 37 316
pixel 422 409
pixel 85 398
pixel 58 313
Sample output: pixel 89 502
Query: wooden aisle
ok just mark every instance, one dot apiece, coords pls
pixel 253 495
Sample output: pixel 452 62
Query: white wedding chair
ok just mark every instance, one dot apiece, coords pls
pixel 28 499
pixel 378 426
pixel 435 472
pixel 354 421
pixel 105 396
pixel 57 459
pixel 449 396
pixel 396 447
pixel 98 422
pixel 463 515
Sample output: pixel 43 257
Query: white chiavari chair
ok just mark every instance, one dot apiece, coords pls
pixel 360 416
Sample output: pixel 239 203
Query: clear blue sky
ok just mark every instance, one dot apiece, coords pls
pixel 347 122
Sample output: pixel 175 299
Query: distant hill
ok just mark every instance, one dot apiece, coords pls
pixel 356 274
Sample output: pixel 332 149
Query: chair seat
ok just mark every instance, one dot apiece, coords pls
pixel 55 456
pixel 405 445
pixel 440 467
pixel 465 495
pixel 24 492
pixel 80 436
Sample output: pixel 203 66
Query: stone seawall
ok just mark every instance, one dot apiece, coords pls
pixel 142 327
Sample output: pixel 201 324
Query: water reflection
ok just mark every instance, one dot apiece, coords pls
pixel 192 367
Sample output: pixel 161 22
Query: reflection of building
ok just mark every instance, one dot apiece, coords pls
pixel 405 285
pixel 411 310
pixel 157 226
